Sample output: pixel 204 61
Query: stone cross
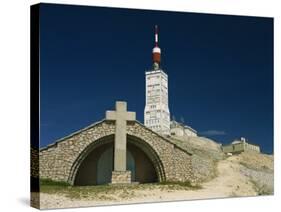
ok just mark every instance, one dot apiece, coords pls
pixel 120 116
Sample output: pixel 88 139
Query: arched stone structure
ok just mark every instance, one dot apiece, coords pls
pixel 85 170
pixel 61 160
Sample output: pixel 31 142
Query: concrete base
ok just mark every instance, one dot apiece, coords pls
pixel 121 177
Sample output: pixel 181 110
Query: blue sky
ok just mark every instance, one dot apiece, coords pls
pixel 220 69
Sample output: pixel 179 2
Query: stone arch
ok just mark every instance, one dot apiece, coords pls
pixel 132 142
pixel 97 166
pixel 151 154
pixel 85 152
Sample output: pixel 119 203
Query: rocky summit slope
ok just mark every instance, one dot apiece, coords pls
pixel 256 170
pixel 205 155
pixel 200 146
pixel 259 169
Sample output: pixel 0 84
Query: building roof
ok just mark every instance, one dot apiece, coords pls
pixel 175 124
pixel 236 142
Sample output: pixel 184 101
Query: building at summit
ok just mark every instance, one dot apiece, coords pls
pixel 156 112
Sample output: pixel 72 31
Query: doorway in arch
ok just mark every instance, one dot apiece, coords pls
pixel 96 168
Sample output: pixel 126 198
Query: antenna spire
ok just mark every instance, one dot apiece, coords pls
pixel 156 51
pixel 156 35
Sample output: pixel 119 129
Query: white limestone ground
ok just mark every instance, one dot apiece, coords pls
pixel 232 180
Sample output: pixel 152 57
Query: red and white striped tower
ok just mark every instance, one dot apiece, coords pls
pixel 156 51
pixel 156 111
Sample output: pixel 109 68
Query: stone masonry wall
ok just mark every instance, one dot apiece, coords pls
pixel 34 171
pixel 121 177
pixel 57 160
pixel 176 162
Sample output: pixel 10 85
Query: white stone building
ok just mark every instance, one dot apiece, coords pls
pixel 240 145
pixel 157 115
pixel 179 129
pixel 156 112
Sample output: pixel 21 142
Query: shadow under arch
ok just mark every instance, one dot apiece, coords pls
pixel 131 141
pixel 150 153
pixel 91 147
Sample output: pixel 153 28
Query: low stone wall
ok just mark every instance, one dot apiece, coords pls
pixel 182 166
pixel 34 157
pixel 57 160
pixel 176 161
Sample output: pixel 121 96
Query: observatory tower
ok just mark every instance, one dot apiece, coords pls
pixel 156 112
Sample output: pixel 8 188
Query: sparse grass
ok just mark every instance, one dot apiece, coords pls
pixel 50 186
pixel 186 184
pixel 49 182
pixel 80 192
pixel 110 192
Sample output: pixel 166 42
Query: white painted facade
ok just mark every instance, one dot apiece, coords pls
pixel 156 112
pixel 246 145
pixel 179 129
